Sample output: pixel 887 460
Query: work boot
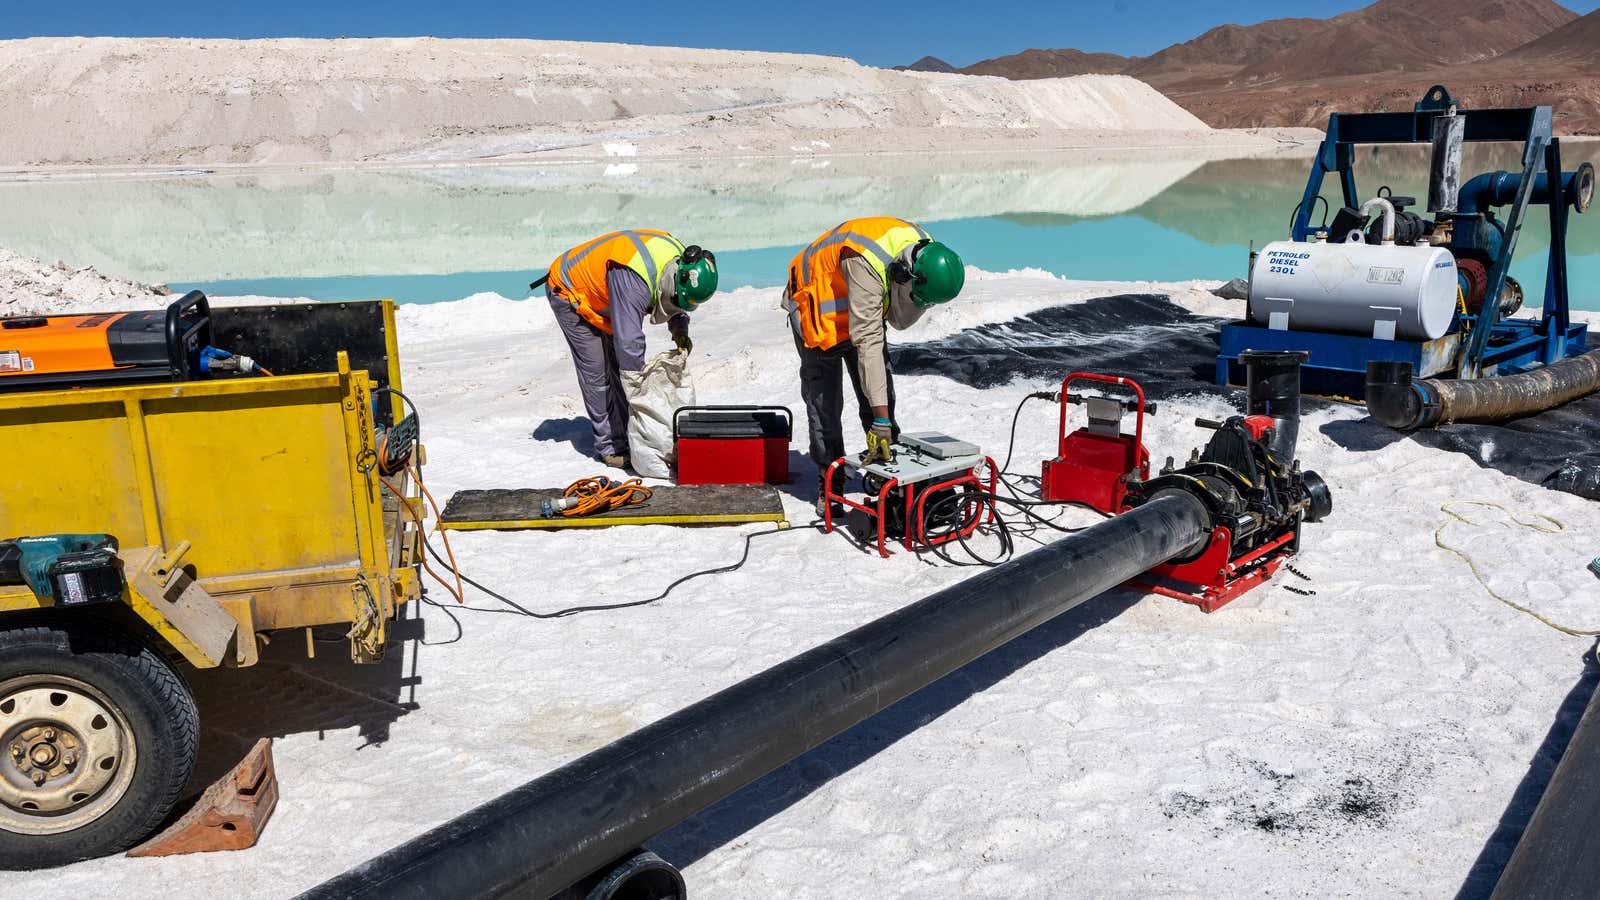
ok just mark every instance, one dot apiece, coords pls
pixel 614 460
pixel 822 495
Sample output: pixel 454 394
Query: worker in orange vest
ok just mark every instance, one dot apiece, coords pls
pixel 842 288
pixel 601 292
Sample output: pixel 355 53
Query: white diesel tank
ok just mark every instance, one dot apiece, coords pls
pixel 1382 291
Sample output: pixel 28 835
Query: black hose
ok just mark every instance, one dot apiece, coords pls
pixel 1397 401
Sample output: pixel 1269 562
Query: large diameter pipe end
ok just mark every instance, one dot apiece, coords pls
pixel 1272 380
pixel 1397 401
pixel 1583 187
pixel 641 875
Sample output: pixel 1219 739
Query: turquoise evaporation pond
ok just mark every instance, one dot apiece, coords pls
pixel 429 234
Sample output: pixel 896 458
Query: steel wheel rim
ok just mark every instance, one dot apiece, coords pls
pixel 67 754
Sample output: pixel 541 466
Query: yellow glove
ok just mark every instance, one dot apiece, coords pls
pixel 679 327
pixel 880 442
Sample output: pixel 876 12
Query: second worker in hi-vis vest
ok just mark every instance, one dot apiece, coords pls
pixel 601 292
pixel 842 289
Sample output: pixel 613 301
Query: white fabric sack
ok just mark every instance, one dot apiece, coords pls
pixel 654 394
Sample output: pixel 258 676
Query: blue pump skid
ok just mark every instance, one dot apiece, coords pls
pixel 1477 345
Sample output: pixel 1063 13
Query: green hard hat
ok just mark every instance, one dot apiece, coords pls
pixel 697 277
pixel 937 275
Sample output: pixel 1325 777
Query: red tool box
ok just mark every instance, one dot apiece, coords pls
pixel 733 444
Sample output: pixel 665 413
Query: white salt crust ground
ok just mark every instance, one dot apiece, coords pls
pixel 1361 742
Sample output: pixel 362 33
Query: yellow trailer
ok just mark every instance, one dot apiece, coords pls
pixel 239 507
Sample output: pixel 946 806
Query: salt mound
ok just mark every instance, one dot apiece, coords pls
pixel 31 287
pixel 189 101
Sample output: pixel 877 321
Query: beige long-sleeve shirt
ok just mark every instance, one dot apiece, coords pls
pixel 868 313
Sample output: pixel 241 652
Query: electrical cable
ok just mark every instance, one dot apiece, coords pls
pixel 422 529
pixel 1313 211
pixel 406 461
pixel 518 609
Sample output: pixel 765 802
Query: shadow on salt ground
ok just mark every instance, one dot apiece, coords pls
pixel 764 798
pixel 1496 852
pixel 287 693
pixel 1360 435
pixel 575 430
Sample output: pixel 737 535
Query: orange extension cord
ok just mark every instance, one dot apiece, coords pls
pixel 384 463
pixel 599 494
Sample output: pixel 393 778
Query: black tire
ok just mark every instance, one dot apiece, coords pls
pixel 160 716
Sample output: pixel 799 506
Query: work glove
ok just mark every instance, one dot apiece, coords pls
pixel 880 442
pixel 679 327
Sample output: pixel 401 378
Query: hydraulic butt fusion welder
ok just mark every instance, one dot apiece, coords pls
pixel 1247 477
pixel 1251 483
pixel 56 352
pixel 66 569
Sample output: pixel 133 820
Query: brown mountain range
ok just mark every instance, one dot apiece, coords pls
pixel 1383 56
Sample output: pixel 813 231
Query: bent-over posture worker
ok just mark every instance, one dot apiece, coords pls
pixel 601 292
pixel 842 289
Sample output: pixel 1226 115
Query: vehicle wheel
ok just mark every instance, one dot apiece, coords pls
pixel 97 736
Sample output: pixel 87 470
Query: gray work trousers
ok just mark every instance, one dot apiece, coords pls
pixel 599 379
pixel 822 388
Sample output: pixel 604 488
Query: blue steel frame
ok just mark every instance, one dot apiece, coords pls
pixel 1505 346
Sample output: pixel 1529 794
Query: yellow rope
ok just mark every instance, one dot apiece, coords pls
pixel 1533 522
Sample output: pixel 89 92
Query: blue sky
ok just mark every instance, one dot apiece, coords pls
pixel 960 31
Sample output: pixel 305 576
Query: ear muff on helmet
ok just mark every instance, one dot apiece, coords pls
pixel 697 277
pixel 901 272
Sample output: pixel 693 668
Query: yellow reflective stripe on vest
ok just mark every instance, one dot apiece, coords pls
pixel 669 248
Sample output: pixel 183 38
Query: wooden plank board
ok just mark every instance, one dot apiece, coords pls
pixel 513 510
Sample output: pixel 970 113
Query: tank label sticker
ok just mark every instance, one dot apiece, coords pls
pixel 1332 270
pixel 1386 275
pixel 11 361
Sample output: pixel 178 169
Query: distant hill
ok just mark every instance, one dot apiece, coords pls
pixel 1576 42
pixel 929 64
pixel 1382 56
pixel 1051 64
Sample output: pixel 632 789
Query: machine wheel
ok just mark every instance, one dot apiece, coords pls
pixel 97 736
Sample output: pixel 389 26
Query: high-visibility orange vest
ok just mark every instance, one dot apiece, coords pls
pixel 817 288
pixel 579 275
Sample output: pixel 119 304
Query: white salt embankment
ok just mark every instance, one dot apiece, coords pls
pixel 179 101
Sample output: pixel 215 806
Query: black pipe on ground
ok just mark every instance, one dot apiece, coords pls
pixel 1397 401
pixel 1558 857
pixel 542 838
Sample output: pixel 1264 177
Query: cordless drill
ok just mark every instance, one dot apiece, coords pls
pixel 66 569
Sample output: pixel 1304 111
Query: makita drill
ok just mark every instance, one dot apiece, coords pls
pixel 66 569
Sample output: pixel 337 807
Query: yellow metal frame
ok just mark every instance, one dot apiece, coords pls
pixel 269 481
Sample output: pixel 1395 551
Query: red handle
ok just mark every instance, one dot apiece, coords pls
pixel 1138 422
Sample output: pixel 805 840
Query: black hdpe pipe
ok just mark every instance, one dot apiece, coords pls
pixel 551 833
pixel 1397 401
pixel 1558 855
pixel 1272 379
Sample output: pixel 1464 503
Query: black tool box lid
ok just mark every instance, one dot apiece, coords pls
pixel 728 422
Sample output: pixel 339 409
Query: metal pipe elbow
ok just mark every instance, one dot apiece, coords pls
pixel 1384 204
